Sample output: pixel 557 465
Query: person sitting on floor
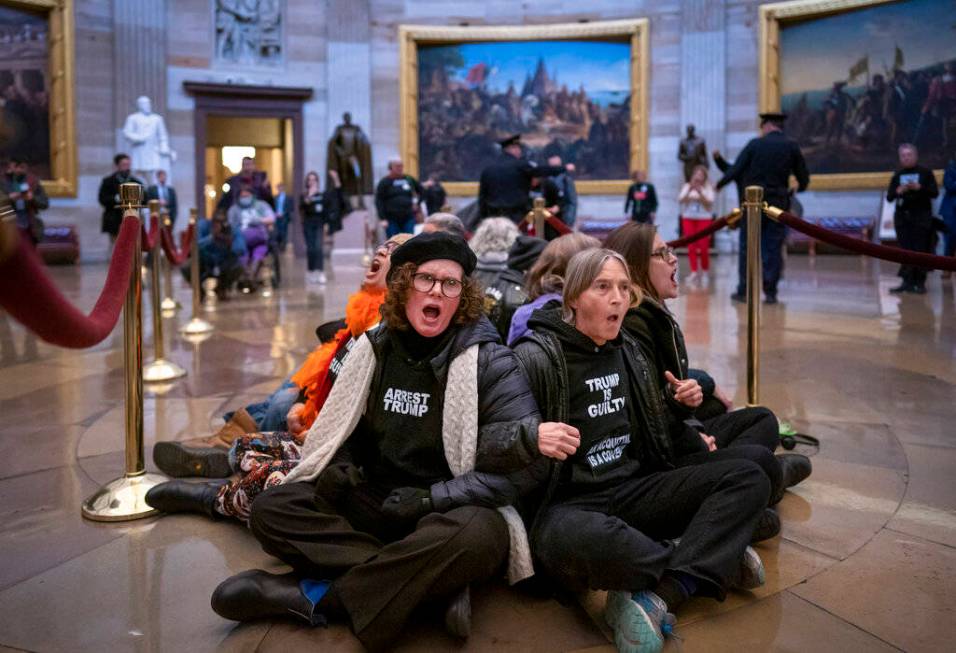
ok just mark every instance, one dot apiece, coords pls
pixel 261 457
pixel 616 505
pixel 426 396
pixel 750 433
pixel 546 278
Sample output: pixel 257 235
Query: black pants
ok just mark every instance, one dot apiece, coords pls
pixel 612 539
pixel 747 434
pixel 314 231
pixel 772 237
pixel 914 233
pixel 381 571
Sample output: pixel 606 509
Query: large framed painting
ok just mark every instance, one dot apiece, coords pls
pixel 579 91
pixel 858 78
pixel 36 90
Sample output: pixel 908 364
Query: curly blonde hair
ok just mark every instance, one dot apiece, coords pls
pixel 400 286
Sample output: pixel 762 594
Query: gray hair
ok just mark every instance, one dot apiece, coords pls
pixel 447 222
pixel 583 268
pixel 493 235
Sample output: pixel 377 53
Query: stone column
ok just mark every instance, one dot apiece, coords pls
pixel 139 59
pixel 703 74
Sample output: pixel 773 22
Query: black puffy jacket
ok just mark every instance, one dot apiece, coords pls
pixel 507 413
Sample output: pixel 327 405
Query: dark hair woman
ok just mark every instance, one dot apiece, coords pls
pixel 747 432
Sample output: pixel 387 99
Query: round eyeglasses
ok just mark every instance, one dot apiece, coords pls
pixel 424 282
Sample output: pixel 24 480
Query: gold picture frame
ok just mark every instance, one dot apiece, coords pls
pixel 636 31
pixel 771 18
pixel 63 163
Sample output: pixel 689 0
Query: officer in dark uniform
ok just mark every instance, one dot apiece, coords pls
pixel 768 162
pixel 504 185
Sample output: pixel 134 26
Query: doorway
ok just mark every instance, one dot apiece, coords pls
pixel 229 139
pixel 266 118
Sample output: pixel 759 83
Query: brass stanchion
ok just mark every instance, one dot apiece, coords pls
pixel 170 304
pixel 159 369
pixel 123 499
pixel 539 215
pixel 196 325
pixel 753 206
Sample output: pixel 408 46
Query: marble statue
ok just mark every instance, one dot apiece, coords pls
pixel 249 32
pixel 148 140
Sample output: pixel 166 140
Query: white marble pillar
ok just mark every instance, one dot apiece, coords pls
pixel 139 59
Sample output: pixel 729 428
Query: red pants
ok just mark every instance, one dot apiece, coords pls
pixel 701 248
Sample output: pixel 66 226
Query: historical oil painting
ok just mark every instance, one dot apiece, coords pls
pixel 859 83
pixel 24 88
pixel 565 97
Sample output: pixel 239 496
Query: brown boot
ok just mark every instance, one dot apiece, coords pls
pixel 238 425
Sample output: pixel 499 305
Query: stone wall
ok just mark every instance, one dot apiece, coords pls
pixel 703 70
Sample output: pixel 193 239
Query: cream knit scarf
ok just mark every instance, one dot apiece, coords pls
pixel 344 407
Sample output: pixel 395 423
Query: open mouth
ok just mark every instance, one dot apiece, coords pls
pixel 375 265
pixel 674 277
pixel 431 312
pixel 613 318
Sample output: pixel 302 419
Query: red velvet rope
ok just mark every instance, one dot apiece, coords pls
pixel 27 293
pixel 894 254
pixel 555 223
pixel 150 239
pixel 185 243
pixel 716 225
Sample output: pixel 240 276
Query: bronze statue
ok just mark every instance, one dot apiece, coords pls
pixel 693 152
pixel 350 155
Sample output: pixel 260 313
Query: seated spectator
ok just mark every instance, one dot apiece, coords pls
pixel 423 398
pixel 749 433
pixel 546 279
pixel 491 243
pixel 252 218
pixel 616 506
pixel 220 254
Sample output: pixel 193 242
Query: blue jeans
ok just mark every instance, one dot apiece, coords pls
pixel 314 237
pixel 270 414
pixel 404 225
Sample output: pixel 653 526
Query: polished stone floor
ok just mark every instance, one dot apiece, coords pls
pixel 866 560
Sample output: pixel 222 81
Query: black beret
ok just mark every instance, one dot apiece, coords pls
pixel 433 246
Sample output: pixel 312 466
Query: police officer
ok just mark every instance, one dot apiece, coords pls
pixel 397 197
pixel 767 161
pixel 504 185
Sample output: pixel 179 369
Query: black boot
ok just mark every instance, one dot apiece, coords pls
pixel 256 594
pixel 178 460
pixel 794 468
pixel 458 614
pixel 768 526
pixel 180 496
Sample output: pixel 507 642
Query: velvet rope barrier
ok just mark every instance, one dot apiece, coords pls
pixel 893 254
pixel 27 293
pixel 718 224
pixel 185 244
pixel 150 239
pixel 554 223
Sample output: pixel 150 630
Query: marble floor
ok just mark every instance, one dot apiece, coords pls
pixel 866 560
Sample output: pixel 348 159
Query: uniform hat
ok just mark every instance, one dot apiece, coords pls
pixel 511 140
pixel 431 247
pixel 774 117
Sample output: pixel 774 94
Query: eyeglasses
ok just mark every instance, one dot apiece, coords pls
pixel 424 282
pixel 665 253
pixel 387 248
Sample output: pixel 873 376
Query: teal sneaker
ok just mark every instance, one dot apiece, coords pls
pixel 752 573
pixel 640 621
